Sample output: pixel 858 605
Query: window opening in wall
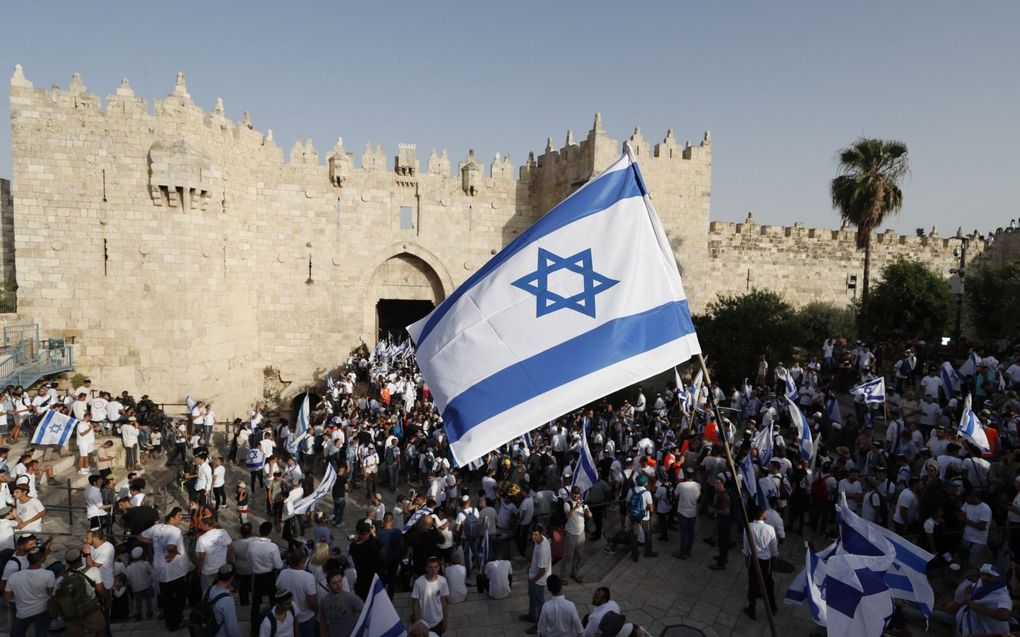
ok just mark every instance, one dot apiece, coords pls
pixel 406 220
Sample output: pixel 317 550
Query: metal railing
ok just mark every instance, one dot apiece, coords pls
pixel 25 357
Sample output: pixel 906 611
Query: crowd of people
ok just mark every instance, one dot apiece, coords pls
pixel 421 525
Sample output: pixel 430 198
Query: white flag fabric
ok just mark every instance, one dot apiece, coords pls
pixel 763 441
pixel 800 425
pixel 969 367
pixel 834 413
pixel 302 417
pixel 587 301
pixel 54 429
pixel 585 475
pixel 791 387
pixel 305 504
pixel 872 391
pixel 378 616
pixel 972 429
pixel 950 379
pixel 190 402
pixel 857 599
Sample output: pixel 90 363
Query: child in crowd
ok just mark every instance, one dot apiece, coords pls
pixel 120 599
pixel 242 496
pixel 139 577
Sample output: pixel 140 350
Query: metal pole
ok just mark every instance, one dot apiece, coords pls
pixel 743 508
pixel 70 510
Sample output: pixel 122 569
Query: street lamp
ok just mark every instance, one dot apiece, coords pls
pixel 961 273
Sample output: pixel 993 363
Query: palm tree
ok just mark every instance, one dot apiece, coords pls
pixel 867 189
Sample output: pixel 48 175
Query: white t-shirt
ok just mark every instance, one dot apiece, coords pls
pixel 174 570
pixel 219 476
pixel 430 598
pixel 284 626
pixel 855 488
pixel 103 556
pixel 646 495
pixel 129 434
pixel 301 584
pixel 94 502
pixel 498 572
pixel 98 409
pixel 456 579
pixel 30 509
pixel 7 533
pixel 85 440
pixel 213 544
pixel 204 480
pixel 687 494
pixel 908 501
pixel 931 386
pixel 541 558
pixel 976 513
pixel 29 587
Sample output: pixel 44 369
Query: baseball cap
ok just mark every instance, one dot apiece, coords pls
pixel 988 569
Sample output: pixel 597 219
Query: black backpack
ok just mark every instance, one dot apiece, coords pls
pixel 271 616
pixel 202 621
pixel 6 556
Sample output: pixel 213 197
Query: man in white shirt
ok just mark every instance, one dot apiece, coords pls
pixel 577 514
pixel 264 556
pixel 601 604
pixel 907 505
pixel 98 409
pixel 100 554
pixel 559 615
pixel 95 510
pixel 301 584
pixel 538 573
pixel 213 549
pixel 851 487
pixel 430 598
pixel 203 482
pixel 30 589
pixel 499 573
pixel 932 383
pixel 30 510
pixel 129 435
pixel 766 547
pixel 977 518
pixel 85 437
pixel 208 424
pixel 687 493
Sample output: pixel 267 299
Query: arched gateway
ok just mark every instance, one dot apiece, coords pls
pixel 403 284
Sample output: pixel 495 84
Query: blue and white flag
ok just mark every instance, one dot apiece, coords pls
pixel 857 599
pixel 969 367
pixel 803 429
pixel 950 379
pixel 763 440
pixel 293 442
pixel 907 577
pixel 872 391
pixel 833 412
pixel 305 504
pixel 419 514
pixel 681 393
pixel 814 576
pixel 255 460
pixel 799 591
pixel 190 402
pixel 972 429
pixel 791 387
pixel 587 301
pixel 378 616
pixel 302 417
pixel 749 478
pixel 584 474
pixel 54 429
pixel 486 550
pixel 694 391
pixel 330 385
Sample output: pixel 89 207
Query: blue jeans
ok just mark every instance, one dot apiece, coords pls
pixel 472 554
pixel 536 598
pixel 686 534
pixel 309 628
pixel 339 505
pixel 40 621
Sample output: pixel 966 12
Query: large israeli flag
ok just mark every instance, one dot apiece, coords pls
pixel 972 429
pixel 873 391
pixel 308 502
pixel 585 302
pixel 54 429
pixel 585 475
pixel 378 616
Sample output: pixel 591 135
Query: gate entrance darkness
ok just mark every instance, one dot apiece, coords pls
pixel 394 315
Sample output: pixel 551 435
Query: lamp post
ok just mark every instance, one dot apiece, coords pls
pixel 961 273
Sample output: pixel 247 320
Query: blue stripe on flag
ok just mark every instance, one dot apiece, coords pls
pixel 598 195
pixel 607 344
pixel 71 424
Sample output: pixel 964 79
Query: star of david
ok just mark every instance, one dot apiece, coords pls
pixel 56 428
pixel 547 301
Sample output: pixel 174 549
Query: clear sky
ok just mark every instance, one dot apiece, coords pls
pixel 781 85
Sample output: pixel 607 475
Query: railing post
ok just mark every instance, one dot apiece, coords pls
pixel 70 509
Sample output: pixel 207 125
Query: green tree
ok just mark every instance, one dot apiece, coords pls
pixel 820 320
pixel 866 189
pixel 992 294
pixel 736 330
pixel 910 301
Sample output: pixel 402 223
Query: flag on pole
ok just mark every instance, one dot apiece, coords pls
pixel 305 504
pixel 330 385
pixel 969 367
pixel 950 379
pixel 834 413
pixel 54 429
pixel 798 592
pixel 419 514
pixel 857 598
pixel 694 391
pixel 763 442
pixel 800 425
pixel 814 573
pixel 378 616
pixel 303 415
pixel 872 391
pixel 972 429
pixel 680 392
pixel 584 473
pixel 486 556
pixel 190 402
pixel 587 301
pixel 791 387
pixel 750 479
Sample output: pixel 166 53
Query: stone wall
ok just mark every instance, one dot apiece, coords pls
pixel 7 271
pixel 187 252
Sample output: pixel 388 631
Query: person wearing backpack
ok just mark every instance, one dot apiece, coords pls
pixel 216 616
pixel 639 514
pixel 279 620
pixel 30 590
pixel 78 595
pixel 468 527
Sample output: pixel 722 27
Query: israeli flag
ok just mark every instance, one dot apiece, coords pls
pixel 378 616
pixel 749 478
pixel 587 301
pixel 857 599
pixel 950 378
pixel 694 391
pixel 305 504
pixel 791 387
pixel 486 550
pixel 763 442
pixel 255 460
pixel 972 429
pixel 834 413
pixel 302 417
pixel 190 402
pixel 54 429
pixel 813 571
pixel 907 576
pixel 680 392
pixel 293 442
pixel 814 580
pixel 969 367
pixel 419 514
pixel 330 385
pixel 800 425
pixel 584 472
pixel 873 391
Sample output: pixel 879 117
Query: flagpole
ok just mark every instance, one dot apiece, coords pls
pixel 740 498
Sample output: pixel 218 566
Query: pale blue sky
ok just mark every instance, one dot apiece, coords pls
pixel 781 85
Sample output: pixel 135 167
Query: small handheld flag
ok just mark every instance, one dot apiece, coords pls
pixel 54 429
pixel 872 391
